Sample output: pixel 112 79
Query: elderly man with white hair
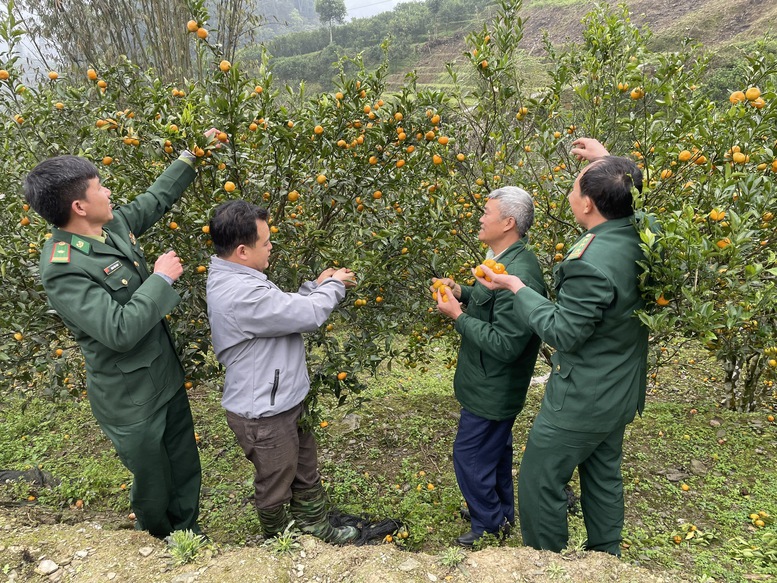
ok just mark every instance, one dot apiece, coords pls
pixel 495 365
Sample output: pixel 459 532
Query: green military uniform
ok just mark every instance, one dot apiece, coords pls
pixel 596 386
pixel 116 308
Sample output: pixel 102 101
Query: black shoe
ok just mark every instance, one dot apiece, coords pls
pixel 468 540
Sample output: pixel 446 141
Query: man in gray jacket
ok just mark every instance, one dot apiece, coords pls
pixel 257 335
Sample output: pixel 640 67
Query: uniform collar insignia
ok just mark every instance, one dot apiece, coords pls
pixel 81 244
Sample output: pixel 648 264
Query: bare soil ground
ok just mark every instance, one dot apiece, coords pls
pixel 88 547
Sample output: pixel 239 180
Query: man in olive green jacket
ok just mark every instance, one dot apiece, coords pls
pixel 96 278
pixel 495 365
pixel 598 377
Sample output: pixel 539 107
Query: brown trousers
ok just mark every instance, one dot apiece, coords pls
pixel 285 457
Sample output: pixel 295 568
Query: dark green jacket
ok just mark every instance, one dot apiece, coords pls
pixel 598 379
pixel 498 350
pixel 116 308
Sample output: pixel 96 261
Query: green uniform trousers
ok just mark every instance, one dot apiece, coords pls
pixel 162 455
pixel 551 456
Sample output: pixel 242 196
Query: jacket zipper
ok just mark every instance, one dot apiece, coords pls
pixel 274 387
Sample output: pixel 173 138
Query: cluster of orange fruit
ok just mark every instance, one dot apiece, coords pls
pixel 193 26
pixel 752 96
pixel 492 265
pixel 443 290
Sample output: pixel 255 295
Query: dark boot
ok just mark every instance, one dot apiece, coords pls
pixel 309 509
pixel 274 520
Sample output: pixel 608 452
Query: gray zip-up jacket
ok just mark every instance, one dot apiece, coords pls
pixel 256 330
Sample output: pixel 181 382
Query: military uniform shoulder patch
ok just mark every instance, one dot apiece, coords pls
pixel 577 250
pixel 60 253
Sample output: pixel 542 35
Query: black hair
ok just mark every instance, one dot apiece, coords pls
pixel 608 182
pixel 51 187
pixel 233 224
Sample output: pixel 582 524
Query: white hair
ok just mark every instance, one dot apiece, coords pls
pixel 516 203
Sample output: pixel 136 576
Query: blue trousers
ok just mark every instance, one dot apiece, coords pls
pixel 483 461
pixel 552 454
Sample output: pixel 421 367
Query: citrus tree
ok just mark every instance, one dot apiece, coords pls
pixel 391 184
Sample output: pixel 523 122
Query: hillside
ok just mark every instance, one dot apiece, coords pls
pixel 714 23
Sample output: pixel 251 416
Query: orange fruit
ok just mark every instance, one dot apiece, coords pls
pixel 202 33
pixel 201 269
pixel 173 225
pixel 461 157
pixel 102 84
pixel 400 163
pixel 398 116
pixel 483 64
pixel 107 160
pixel 225 65
pixel 324 424
pixel 666 174
pixel 684 156
pixel 758 103
pixel 341 376
pixel 321 178
pixel 293 196
pixel 54 75
pixel 685 487
pixel 18 337
pixel 739 158
pixel 318 130
pixel 4 74
pixel 637 93
pixel 490 263
pixel 192 26
pixel 737 97
pixel 499 268
pixel 437 159
pixel 377 195
pixel 91 74
pixel 723 243
pixel 753 93
pixel 662 301
pixel 206 229
pixel 479 271
pixel 717 215
pixel 443 140
pixel 435 119
pixel 24 221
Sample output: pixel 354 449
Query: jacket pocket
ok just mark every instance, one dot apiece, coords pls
pixel 119 283
pixel 274 387
pixel 141 383
pixel 481 295
pixel 559 383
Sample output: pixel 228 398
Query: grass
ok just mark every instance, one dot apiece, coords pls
pixel 391 457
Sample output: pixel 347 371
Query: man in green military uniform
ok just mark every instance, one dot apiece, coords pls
pixel 495 365
pixel 96 278
pixel 597 383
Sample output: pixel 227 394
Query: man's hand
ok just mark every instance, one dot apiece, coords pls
pixel 446 281
pixel 169 264
pixel 499 280
pixel 589 149
pixel 326 274
pixel 343 274
pixel 447 304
